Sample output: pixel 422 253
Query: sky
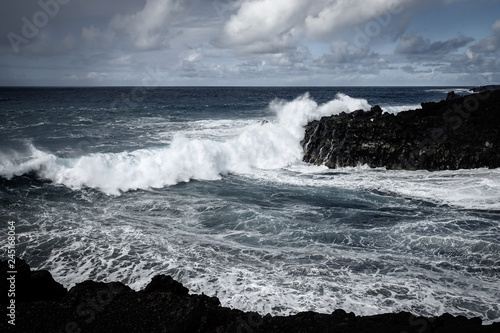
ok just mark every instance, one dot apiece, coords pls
pixel 249 42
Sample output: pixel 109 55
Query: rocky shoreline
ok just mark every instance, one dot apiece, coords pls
pixel 485 88
pixel 461 132
pixel 165 305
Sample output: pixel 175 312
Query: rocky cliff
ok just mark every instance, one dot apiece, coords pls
pixel 458 133
pixel 164 305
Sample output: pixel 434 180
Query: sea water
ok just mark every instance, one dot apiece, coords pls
pixel 207 184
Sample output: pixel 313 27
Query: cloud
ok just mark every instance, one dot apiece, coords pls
pixel 293 59
pixel 244 41
pixel 69 42
pixel 332 16
pixel 343 53
pixel 44 26
pixel 271 26
pixel 264 26
pixel 144 30
pixel 490 44
pixel 481 59
pixel 147 29
pixel 411 44
pixel 122 61
pixel 413 70
pixel 98 38
pixel 496 26
pixel 199 64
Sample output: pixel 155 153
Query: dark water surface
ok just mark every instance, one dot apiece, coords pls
pixel 207 185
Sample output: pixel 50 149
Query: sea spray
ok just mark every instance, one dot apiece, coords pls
pixel 272 240
pixel 270 144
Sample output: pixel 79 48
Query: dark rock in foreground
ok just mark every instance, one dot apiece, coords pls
pixel 459 133
pixel 452 95
pixel 30 285
pixel 164 305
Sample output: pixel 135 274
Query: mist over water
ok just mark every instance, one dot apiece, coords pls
pixel 207 185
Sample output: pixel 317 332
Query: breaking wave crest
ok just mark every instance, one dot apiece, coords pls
pixel 394 109
pixel 270 144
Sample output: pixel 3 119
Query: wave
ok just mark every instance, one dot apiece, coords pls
pixel 470 189
pixel 400 108
pixel 268 145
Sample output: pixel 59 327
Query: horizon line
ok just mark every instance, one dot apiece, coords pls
pixel 244 86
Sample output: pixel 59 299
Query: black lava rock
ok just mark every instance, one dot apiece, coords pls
pixel 452 95
pixel 166 306
pixel 461 133
pixel 29 286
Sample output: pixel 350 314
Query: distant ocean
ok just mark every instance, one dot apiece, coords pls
pixel 206 184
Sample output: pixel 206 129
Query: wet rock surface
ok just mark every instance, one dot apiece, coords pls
pixel 164 305
pixel 457 133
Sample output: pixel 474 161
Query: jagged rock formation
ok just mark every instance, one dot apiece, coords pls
pixel 461 133
pixel 165 305
pixel 30 285
pixel 452 95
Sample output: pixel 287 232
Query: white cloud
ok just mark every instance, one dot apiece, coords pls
pixel 265 26
pixel 283 41
pixel 335 15
pixel 270 26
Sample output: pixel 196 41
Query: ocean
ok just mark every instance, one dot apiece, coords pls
pixel 206 184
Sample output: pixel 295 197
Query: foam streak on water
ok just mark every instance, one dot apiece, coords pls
pixel 217 197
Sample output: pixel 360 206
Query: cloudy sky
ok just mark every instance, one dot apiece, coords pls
pixel 249 42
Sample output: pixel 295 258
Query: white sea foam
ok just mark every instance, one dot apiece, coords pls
pixel 447 90
pixel 360 239
pixel 271 145
pixel 394 109
pixel 207 150
pixel 469 189
pixel 281 282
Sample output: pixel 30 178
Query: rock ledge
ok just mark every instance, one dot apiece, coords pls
pixel 165 305
pixel 458 133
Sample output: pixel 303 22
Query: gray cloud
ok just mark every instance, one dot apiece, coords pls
pixel 480 60
pixel 411 44
pixel 490 44
pixel 50 22
pixel 198 42
pixel 271 26
pixel 148 28
pixel 413 70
